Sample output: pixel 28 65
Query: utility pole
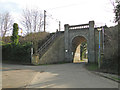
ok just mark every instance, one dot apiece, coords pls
pixel 44 20
pixel 59 25
pixel 99 55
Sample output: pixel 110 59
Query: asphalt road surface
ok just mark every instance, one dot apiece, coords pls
pixel 52 76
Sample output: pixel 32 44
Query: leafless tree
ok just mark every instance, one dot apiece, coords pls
pixel 32 20
pixel 116 5
pixel 6 23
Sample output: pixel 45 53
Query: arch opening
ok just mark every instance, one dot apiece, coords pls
pixel 79 50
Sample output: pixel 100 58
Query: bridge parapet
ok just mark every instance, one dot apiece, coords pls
pixel 82 26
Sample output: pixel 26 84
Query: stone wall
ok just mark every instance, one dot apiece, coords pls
pixel 111 42
pixel 85 30
pixel 96 44
pixel 110 52
pixel 55 53
pixel 110 48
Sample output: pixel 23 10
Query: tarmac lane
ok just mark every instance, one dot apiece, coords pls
pixel 16 78
pixel 68 75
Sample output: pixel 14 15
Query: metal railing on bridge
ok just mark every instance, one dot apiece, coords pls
pixel 78 26
pixel 45 46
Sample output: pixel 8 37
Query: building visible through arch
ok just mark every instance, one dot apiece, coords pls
pixel 85 30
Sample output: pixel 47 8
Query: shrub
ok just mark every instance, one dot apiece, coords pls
pixel 17 53
pixel 15 37
pixel 2 43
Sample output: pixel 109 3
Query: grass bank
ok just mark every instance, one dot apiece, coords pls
pixel 92 66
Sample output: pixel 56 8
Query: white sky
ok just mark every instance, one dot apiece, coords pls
pixel 67 11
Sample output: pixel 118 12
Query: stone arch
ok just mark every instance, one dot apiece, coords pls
pixel 85 30
pixel 79 36
pixel 75 42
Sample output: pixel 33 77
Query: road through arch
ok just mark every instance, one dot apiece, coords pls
pixel 85 30
pixel 79 46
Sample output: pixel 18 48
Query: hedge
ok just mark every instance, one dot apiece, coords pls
pixel 20 54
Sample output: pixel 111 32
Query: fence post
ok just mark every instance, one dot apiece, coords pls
pixel 31 54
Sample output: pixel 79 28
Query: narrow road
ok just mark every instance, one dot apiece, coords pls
pixel 58 76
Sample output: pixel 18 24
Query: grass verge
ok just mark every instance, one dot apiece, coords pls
pixel 116 78
pixel 92 66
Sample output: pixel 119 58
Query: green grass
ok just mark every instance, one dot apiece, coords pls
pixel 92 66
pixel 116 78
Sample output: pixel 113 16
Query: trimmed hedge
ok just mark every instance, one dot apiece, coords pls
pixel 20 54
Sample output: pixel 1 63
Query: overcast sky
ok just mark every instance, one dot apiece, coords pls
pixel 67 11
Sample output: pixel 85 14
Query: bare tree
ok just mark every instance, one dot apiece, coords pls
pixel 117 12
pixel 116 6
pixel 6 23
pixel 32 20
pixel 40 24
